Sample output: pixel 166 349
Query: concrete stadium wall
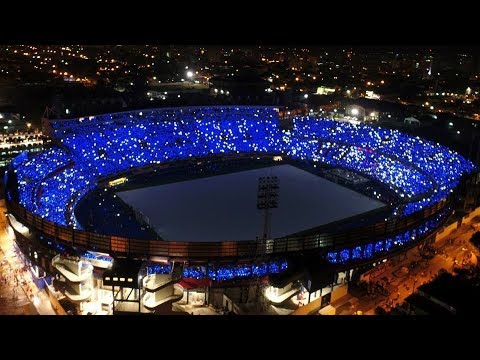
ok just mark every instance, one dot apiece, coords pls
pixel 467 218
pixel 57 307
pixel 339 292
pixel 314 306
pixel 310 308
pixel 446 231
pixel 452 227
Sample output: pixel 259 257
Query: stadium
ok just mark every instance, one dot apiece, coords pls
pixel 147 210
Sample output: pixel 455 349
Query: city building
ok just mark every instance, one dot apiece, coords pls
pixel 412 121
pixel 323 90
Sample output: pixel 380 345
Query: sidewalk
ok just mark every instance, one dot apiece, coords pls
pixel 18 273
pixel 23 280
pixel 12 301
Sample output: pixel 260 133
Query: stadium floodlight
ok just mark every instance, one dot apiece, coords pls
pixel 267 198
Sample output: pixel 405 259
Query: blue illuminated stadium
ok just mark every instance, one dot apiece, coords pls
pixel 420 172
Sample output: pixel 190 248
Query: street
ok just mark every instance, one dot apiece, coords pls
pixel 403 274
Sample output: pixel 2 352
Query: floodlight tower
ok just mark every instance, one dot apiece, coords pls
pixel 267 199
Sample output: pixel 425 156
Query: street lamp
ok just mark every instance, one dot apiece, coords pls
pixel 189 74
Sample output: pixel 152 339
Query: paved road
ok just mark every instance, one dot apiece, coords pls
pixel 401 279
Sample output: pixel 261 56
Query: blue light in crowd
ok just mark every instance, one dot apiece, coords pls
pixel 51 183
pixel 368 251
pixel 332 257
pixel 389 244
pixel 344 255
pixel 378 246
pixel 357 252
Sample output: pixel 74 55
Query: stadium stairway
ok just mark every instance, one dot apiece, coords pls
pixel 163 288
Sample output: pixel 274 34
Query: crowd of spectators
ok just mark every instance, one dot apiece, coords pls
pixel 103 146
pixel 368 250
pixel 50 182
pixel 224 272
pixel 418 170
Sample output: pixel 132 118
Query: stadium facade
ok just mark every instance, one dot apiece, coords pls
pixel 417 179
